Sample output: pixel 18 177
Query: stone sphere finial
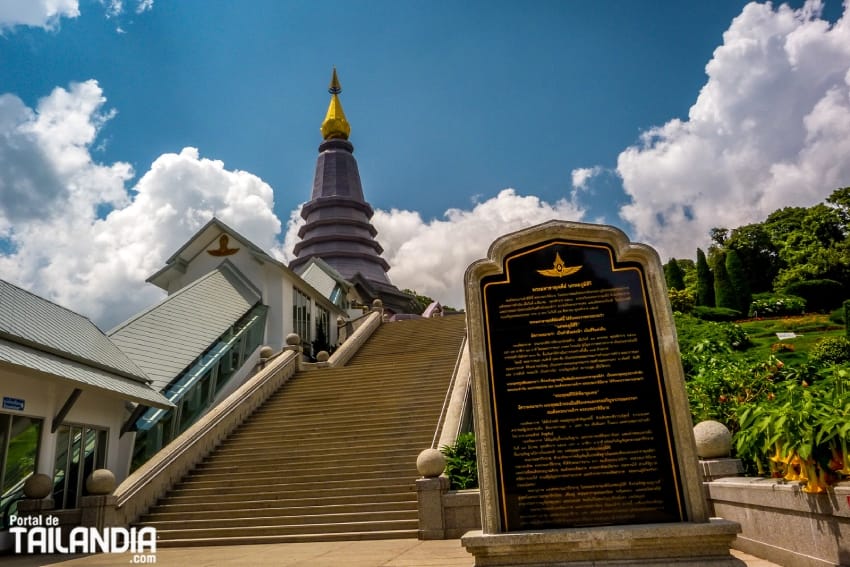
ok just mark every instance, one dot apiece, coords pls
pixel 341 321
pixel 713 439
pixel 430 463
pixel 38 486
pixel 292 339
pixel 377 304
pixel 322 356
pixel 101 481
pixel 266 352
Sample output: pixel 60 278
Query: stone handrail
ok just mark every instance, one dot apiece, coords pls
pixel 152 480
pixel 454 413
pixel 352 344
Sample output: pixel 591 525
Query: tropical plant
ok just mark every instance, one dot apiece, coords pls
pixel 461 464
pixel 800 431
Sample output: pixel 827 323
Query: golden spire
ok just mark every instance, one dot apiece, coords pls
pixel 335 124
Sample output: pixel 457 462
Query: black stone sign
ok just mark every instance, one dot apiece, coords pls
pixel 580 421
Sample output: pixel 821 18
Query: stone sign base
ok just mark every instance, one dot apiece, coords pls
pixel 645 545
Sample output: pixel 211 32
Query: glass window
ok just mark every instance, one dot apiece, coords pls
pixel 80 450
pixel 301 316
pixel 19 438
pixel 323 321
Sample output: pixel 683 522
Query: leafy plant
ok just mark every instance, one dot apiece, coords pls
pixel 830 350
pixel 682 300
pixel 461 464
pixel 800 432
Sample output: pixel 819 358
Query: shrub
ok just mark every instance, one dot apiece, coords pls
pixel 461 464
pixel 839 315
pixel 775 305
pixel 820 295
pixel 681 300
pixel 716 313
pixel 829 351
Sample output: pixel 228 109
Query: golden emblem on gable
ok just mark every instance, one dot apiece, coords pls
pixel 223 250
pixel 559 269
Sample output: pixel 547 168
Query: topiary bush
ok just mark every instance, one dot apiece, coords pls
pixel 829 351
pixel 461 463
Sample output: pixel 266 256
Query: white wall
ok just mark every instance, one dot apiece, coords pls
pixel 44 397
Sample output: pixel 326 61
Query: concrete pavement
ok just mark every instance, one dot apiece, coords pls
pixel 375 553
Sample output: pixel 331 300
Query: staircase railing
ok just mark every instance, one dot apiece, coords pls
pixel 144 487
pixel 455 407
pixel 352 344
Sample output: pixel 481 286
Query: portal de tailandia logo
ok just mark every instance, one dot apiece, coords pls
pixel 43 535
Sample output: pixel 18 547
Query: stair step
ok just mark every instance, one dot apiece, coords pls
pixel 278 486
pixel 332 509
pixel 226 478
pixel 281 520
pixel 331 456
pixel 263 502
pixel 291 538
pixel 261 491
pixel 270 530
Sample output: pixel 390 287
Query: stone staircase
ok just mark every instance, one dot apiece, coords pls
pixel 330 456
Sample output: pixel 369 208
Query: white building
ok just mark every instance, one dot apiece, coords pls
pixel 75 399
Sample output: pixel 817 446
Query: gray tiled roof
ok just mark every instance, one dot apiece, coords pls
pixel 80 375
pixel 168 337
pixel 41 336
pixel 28 319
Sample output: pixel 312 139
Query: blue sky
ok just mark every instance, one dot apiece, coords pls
pixel 468 119
pixel 448 101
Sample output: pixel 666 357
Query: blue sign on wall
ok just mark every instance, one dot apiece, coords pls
pixel 13 403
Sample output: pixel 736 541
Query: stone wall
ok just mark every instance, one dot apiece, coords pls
pixel 783 524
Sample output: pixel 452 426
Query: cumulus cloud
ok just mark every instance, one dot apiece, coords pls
pixel 770 128
pixel 432 256
pixel 36 13
pixel 48 13
pixel 59 243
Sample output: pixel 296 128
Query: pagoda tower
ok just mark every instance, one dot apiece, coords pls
pixel 338 228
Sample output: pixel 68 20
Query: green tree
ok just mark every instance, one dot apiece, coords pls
pixel 816 249
pixel 705 281
pixel 724 293
pixel 758 253
pixel 674 275
pixel 738 281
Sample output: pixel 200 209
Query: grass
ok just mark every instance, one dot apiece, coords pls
pixel 810 328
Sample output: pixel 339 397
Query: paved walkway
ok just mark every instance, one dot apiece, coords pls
pixel 377 553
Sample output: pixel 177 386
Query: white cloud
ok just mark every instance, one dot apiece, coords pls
pixel 431 257
pixel 144 6
pixel 36 13
pixel 770 128
pixel 51 191
pixel 582 175
pixel 113 7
